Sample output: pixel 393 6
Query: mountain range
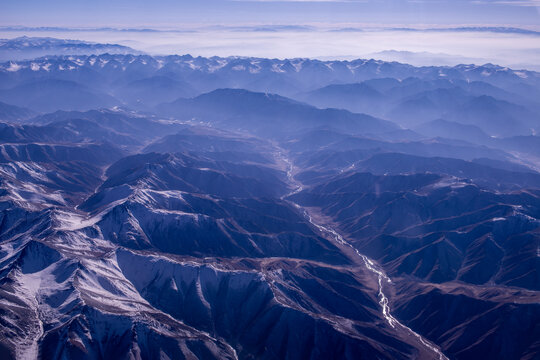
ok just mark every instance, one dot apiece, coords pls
pixel 244 208
pixel 25 47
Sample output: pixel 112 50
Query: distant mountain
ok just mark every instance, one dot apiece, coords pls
pixel 413 101
pixel 483 175
pixel 53 94
pixel 427 105
pixel 423 58
pixel 268 114
pixel 154 90
pixel 14 113
pixel 496 117
pixel 453 130
pixel 286 76
pixel 358 97
pixel 366 86
pixel 23 48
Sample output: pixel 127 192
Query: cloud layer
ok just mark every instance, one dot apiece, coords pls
pixel 513 47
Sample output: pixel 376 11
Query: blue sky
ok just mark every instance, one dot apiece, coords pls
pixel 171 13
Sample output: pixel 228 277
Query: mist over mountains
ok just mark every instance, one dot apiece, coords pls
pixel 24 48
pixel 190 207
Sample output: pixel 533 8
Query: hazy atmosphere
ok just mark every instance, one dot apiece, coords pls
pixel 418 32
pixel 260 179
pixel 341 41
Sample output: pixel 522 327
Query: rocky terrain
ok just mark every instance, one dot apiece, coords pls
pixel 259 208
